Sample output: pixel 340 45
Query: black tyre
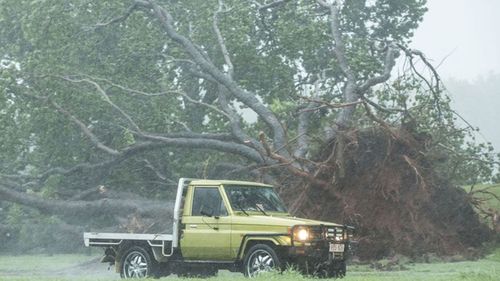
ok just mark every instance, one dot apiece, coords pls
pixel 338 270
pixel 260 258
pixel 335 270
pixel 138 262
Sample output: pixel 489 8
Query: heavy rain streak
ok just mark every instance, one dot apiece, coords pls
pixel 235 139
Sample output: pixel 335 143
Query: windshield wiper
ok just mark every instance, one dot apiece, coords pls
pixel 260 209
pixel 241 209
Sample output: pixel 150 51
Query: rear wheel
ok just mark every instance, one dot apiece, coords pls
pixel 260 258
pixel 137 262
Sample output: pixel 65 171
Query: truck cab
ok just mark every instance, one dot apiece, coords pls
pixel 235 225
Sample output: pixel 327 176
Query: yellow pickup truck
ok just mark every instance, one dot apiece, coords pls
pixel 234 225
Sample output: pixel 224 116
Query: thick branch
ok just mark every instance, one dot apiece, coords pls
pixel 121 18
pixel 85 208
pixel 235 121
pixel 350 91
pixel 222 146
pixel 93 138
pixel 206 65
pixel 284 162
pixel 303 124
pixel 220 40
pixel 390 61
pixel 302 128
pixel 339 49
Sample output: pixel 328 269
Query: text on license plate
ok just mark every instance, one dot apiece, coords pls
pixel 336 247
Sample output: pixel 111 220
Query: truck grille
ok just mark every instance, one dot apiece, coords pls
pixel 334 233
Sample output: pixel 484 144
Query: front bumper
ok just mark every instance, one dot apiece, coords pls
pixel 318 251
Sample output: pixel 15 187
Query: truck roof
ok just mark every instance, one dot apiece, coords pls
pixel 227 182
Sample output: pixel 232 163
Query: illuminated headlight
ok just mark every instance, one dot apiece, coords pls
pixel 301 233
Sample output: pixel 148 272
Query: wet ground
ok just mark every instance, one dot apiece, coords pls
pixel 57 267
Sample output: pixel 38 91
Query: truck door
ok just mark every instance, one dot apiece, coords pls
pixel 207 226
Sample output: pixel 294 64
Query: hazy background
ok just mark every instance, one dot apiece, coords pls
pixel 465 33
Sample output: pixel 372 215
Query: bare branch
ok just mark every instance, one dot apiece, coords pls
pixel 284 162
pixel 381 108
pixel 235 120
pixel 435 89
pixel 303 124
pixel 123 17
pixel 206 65
pixel 390 61
pixel 220 40
pixel 350 91
pixel 329 104
pixel 339 49
pixel 379 121
pixel 85 208
pixel 302 128
pixel 85 130
pixel 264 7
pixel 201 75
pixel 124 88
pixel 188 134
pixel 223 146
pixel 93 138
pixel 155 170
pixel 106 98
pixel 209 106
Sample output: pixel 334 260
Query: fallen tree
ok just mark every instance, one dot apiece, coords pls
pixel 136 100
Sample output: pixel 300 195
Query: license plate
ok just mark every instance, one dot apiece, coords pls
pixel 336 247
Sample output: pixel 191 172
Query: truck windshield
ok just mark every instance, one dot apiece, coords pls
pixel 253 198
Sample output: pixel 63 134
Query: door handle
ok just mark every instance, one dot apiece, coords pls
pixel 193 226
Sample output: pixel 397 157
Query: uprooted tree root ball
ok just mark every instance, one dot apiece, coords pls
pixel 381 181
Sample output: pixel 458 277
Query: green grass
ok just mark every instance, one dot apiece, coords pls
pixel 39 262
pixel 83 268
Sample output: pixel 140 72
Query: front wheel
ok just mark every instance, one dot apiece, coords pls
pixel 338 270
pixel 137 263
pixel 334 270
pixel 260 258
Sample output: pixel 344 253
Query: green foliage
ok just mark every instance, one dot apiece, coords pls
pixel 272 52
pixel 56 49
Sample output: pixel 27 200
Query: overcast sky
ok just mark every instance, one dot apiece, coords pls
pixel 466 30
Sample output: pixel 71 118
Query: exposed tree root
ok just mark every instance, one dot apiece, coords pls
pixel 392 194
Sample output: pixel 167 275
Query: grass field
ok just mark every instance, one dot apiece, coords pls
pixel 80 268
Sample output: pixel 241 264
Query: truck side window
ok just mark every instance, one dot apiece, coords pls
pixel 209 201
